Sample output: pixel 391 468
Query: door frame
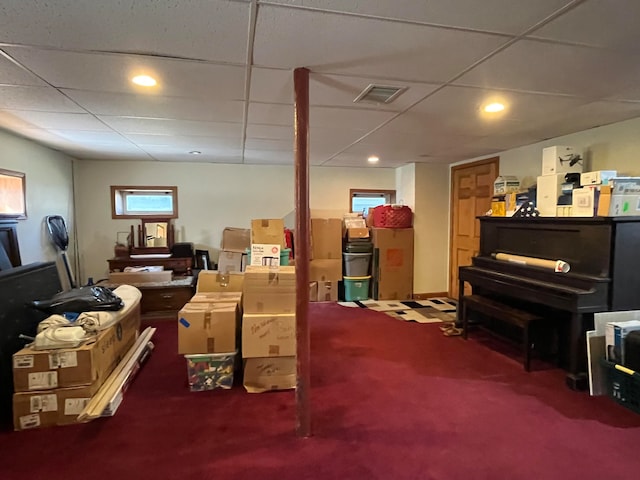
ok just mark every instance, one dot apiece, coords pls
pixel 495 160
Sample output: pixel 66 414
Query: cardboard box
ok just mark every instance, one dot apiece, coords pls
pixel 598 177
pixel 583 202
pixel 265 374
pixel 562 159
pixel 208 328
pixel 549 188
pixel 604 201
pixel 214 281
pixel 208 371
pixel 71 367
pixel 328 291
pixel 268 231
pixel 263 254
pixel 615 334
pixel 230 261
pixel 325 270
pixel 269 290
pixel 313 291
pixel 236 239
pixel 356 233
pixel 133 278
pixel 506 184
pixel 326 238
pixel 216 297
pixel 392 267
pixel 50 407
pixel 625 197
pixel 268 335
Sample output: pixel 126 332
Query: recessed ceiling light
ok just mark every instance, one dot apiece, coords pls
pixel 144 81
pixel 373 159
pixel 195 152
pixel 494 107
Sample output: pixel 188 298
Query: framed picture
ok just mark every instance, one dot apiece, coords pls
pixel 13 194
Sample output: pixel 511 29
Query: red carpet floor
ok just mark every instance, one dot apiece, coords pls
pixel 390 400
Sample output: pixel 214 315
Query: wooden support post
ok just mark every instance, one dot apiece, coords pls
pixel 302 247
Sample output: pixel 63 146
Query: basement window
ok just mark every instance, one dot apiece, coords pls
pixel 136 202
pixel 361 201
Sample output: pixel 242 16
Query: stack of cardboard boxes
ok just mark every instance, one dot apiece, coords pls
pixel 269 328
pixel 325 267
pixel 209 330
pixel 52 387
pixel 235 242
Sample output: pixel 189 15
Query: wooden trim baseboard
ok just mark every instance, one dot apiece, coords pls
pixel 424 296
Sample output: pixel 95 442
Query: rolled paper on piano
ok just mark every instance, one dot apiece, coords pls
pixel 558 266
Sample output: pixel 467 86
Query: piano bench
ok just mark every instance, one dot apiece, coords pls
pixel 506 313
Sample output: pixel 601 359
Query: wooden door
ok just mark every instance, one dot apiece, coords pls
pixel 471 192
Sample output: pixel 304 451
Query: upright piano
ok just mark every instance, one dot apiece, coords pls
pixel 604 258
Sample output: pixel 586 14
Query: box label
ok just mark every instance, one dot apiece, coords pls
pixel 395 257
pixel 23 361
pixel 29 421
pixel 265 254
pixel 75 406
pixel 63 360
pixel 43 380
pixel 43 403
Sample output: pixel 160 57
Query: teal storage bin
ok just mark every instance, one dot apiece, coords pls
pixel 356 288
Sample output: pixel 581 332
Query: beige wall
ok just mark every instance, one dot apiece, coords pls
pixel 612 147
pixel 210 197
pixel 49 192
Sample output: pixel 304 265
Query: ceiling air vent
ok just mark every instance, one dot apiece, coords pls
pixel 379 94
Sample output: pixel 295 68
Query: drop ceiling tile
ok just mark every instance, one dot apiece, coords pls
pixel 63 121
pixel 271 114
pixel 222 157
pixel 357 46
pixel 44 99
pixel 185 144
pixel 349 160
pixel 167 126
pixel 12 74
pixel 587 116
pixel 90 138
pixel 161 151
pixel 507 16
pixel 349 118
pixel 112 73
pixel 179 28
pixel 273 132
pixel 264 144
pixel 276 86
pixel 554 68
pixel 125 105
pixel 459 110
pixel 587 23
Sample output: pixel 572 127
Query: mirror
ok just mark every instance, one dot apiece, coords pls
pixel 155 234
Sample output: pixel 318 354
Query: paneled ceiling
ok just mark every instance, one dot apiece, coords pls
pixel 225 76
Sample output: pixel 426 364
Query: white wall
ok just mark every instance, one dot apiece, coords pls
pixel 49 188
pixel 210 197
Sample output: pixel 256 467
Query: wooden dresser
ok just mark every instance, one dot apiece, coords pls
pixel 181 266
pixel 162 299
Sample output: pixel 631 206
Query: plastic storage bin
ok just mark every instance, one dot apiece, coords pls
pixel 392 216
pixel 356 288
pixel 356 264
pixel 623 385
pixel 208 371
pixel 359 247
